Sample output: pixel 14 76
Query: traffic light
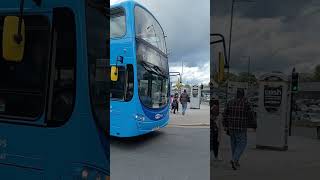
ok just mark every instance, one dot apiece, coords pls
pixel 295 82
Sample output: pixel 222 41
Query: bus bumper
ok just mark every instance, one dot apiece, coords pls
pixel 141 128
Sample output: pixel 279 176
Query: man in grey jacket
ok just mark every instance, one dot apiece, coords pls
pixel 184 99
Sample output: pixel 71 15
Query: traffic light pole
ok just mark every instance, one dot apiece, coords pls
pixel 294 89
pixel 291 109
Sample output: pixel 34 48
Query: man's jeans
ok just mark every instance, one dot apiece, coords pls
pixel 238 144
pixel 184 107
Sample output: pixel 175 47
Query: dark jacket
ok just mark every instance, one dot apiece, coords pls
pixel 184 98
pixel 238 115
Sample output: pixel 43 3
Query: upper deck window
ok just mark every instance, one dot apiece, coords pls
pixel 148 29
pixel 118 23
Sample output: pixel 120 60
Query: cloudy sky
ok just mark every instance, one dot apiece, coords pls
pixel 277 35
pixel 186 23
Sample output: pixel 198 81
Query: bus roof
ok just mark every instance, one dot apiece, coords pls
pixel 29 5
pixel 123 3
pixel 126 3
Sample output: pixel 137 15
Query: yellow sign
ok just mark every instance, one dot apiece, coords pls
pixel 12 48
pixel 114 73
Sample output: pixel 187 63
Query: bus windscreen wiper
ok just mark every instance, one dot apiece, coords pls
pixel 152 68
pixel 159 70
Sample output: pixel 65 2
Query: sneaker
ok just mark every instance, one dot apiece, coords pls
pixel 212 158
pixel 233 165
pixel 216 159
pixel 237 164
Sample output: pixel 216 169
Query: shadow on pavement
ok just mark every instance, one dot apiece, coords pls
pixel 136 141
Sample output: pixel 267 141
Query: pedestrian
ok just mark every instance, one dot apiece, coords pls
pixel 238 117
pixel 214 129
pixel 184 99
pixel 175 104
pixel 171 101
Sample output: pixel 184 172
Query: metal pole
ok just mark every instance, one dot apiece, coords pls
pixel 181 75
pixel 182 66
pixel 230 32
pixel 229 51
pixel 292 102
pixel 248 72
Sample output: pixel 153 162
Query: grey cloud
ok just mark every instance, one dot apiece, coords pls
pixel 276 39
pixel 261 8
pixel 186 23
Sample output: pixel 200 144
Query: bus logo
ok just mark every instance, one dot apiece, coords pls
pixel 158 116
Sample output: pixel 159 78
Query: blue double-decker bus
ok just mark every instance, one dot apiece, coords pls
pixel 139 91
pixel 53 88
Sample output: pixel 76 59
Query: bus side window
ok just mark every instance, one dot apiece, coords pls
pixel 98 54
pixel 130 82
pixel 63 94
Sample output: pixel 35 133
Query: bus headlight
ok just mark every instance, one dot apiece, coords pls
pixel 84 174
pixel 91 174
pixel 139 117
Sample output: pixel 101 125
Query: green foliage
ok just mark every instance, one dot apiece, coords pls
pixel 316 74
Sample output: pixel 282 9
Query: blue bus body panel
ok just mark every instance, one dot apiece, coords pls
pixel 122 114
pixel 39 152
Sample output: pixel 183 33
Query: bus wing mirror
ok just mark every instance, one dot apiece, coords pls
pixel 114 73
pixel 13 43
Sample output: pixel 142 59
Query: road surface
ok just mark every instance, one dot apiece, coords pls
pixel 178 152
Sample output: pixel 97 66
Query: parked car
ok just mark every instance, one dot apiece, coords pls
pixel 313 117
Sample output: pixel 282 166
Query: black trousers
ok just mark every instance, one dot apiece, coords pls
pixel 215 147
pixel 214 142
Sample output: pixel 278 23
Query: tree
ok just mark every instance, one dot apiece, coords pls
pixel 306 77
pixel 187 86
pixel 179 85
pixel 243 77
pixel 316 75
pixel 231 76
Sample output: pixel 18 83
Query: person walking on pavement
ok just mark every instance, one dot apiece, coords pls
pixel 238 117
pixel 175 104
pixel 171 102
pixel 184 99
pixel 214 128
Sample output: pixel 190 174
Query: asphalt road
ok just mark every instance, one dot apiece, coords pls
pixel 176 152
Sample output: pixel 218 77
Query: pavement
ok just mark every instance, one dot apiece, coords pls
pixel 301 161
pixel 193 117
pixel 179 151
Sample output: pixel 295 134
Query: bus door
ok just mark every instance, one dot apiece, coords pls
pixel 121 93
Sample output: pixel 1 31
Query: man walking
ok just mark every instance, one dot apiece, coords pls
pixel 175 104
pixel 214 129
pixel 184 99
pixel 238 117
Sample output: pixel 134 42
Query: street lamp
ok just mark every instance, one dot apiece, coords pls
pixel 231 24
pixel 230 38
pixel 248 76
